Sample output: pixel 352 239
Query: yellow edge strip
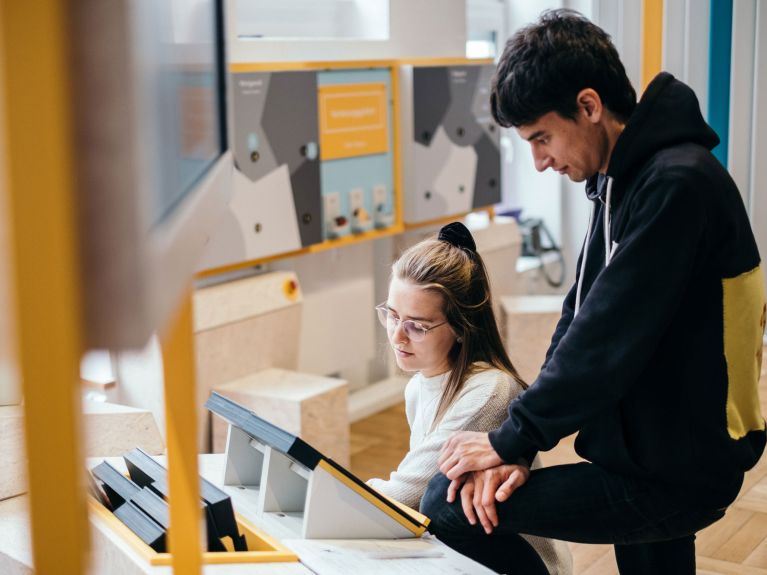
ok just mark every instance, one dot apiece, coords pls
pixel 186 519
pixel 331 65
pixel 652 40
pixel 447 219
pixel 284 66
pixel 398 186
pixel 445 61
pixel 411 525
pixel 321 247
pixel 278 554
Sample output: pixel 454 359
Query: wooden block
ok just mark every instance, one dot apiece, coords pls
pixel 15 540
pixel 234 301
pixel 313 407
pixel 112 429
pixel 242 327
pixel 109 429
pixel 13 466
pixel 528 322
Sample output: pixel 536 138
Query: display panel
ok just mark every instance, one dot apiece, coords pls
pixel 154 172
pixel 309 458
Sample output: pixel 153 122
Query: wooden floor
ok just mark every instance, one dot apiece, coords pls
pixel 736 545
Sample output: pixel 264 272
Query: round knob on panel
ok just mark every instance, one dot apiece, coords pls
pixel 310 150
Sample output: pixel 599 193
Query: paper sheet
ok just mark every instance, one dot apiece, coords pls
pixel 424 556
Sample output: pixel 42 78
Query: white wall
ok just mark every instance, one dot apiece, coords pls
pixel 758 148
pixel 313 19
pixel 685 44
pixel 417 29
pixel 742 95
pixel 539 195
pixel 685 54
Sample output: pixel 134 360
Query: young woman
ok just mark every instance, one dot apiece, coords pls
pixel 440 323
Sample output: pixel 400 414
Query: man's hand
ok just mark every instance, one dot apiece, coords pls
pixel 467 451
pixel 483 488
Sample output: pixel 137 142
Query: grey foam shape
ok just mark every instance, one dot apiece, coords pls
pixel 290 121
pixel 431 100
pixel 480 106
pixel 290 117
pixel 440 170
pixel 488 168
pixel 431 160
pixel 308 202
pixel 248 104
pixel 460 114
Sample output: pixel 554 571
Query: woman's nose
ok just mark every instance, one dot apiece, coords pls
pixel 399 333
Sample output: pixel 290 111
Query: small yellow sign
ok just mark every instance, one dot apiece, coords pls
pixel 353 120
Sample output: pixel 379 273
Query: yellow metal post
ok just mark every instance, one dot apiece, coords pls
pixel 652 40
pixel 40 178
pixel 181 433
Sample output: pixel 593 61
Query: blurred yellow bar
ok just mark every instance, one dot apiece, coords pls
pixel 181 431
pixel 652 40
pixel 38 133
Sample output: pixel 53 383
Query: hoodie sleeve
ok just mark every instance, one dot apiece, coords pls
pixel 602 351
pixel 568 308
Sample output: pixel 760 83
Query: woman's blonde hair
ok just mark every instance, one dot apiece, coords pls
pixel 458 274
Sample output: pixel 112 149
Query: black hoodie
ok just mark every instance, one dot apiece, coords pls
pixel 658 368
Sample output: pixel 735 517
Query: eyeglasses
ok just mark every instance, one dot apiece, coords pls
pixel 415 331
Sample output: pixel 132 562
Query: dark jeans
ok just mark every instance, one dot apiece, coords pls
pixel 651 525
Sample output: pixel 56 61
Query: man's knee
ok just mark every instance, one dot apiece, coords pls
pixel 434 500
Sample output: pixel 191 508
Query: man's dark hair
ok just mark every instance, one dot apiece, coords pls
pixel 546 64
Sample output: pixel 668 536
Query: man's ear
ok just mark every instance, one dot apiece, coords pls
pixel 590 105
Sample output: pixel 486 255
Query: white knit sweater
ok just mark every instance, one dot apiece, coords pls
pixel 480 406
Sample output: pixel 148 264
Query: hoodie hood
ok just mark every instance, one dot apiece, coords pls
pixel 668 114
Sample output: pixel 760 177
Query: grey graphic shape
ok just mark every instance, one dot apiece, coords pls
pixel 249 92
pixel 460 122
pixel 308 201
pixel 431 100
pixel 487 185
pixel 291 123
pixel 480 106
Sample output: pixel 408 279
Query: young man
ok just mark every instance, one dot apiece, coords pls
pixel 656 359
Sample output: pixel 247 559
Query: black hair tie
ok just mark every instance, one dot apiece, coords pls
pixel 458 235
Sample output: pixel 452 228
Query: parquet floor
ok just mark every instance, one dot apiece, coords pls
pixel 735 545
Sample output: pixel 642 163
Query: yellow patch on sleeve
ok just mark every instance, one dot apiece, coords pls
pixel 744 320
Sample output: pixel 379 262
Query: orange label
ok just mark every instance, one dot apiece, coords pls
pixel 353 120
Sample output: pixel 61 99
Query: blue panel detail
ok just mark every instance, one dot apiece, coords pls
pixel 363 172
pixel 719 57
